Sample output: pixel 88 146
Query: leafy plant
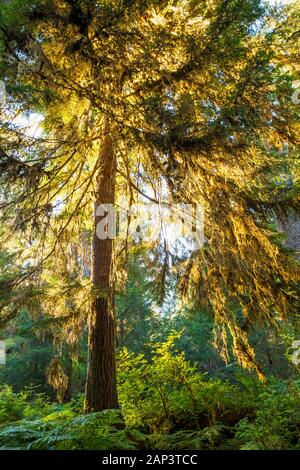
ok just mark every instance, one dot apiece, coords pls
pixel 277 419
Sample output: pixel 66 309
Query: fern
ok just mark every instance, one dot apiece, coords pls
pixel 191 440
pixel 18 436
pixel 95 431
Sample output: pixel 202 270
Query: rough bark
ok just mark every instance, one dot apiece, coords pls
pixel 101 389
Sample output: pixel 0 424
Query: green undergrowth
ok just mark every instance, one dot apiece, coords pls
pixel 165 403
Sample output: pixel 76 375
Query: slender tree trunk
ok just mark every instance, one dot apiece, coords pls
pixel 122 331
pixel 101 389
pixel 69 372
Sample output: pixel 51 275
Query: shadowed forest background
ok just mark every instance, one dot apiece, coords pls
pixel 136 342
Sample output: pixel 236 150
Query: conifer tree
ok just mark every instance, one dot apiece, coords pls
pixel 191 95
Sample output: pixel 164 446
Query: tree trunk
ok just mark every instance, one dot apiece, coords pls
pixel 101 388
pixel 69 372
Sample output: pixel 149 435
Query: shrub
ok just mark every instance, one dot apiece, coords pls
pixel 277 419
pixel 168 394
pixel 12 405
